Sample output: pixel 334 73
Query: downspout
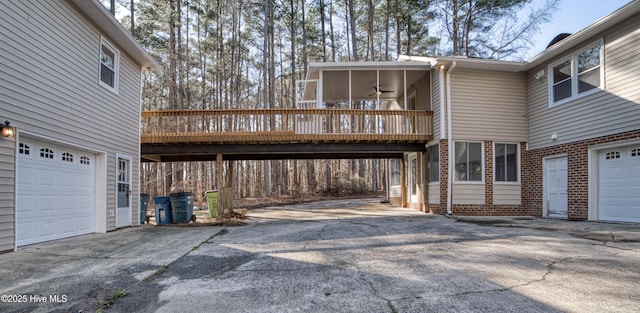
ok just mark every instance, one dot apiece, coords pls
pixel 449 140
pixel 442 102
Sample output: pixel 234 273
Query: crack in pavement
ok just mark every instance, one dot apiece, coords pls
pixel 550 268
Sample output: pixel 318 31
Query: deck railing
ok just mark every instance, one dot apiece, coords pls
pixel 285 125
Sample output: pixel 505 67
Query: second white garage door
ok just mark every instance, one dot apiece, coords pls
pixel 619 184
pixel 55 189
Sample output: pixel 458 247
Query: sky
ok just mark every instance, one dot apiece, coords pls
pixel 572 16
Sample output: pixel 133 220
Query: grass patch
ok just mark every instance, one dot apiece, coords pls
pixel 392 307
pixel 107 303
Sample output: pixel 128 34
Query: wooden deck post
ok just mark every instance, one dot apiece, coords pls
pixel 403 182
pixel 228 189
pixel 220 183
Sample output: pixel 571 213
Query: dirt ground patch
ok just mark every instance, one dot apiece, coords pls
pixel 241 206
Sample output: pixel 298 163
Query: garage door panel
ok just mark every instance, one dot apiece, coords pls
pixel 619 185
pixel 46 229
pixel 25 179
pixel 55 195
pixel 46 177
pixel 66 179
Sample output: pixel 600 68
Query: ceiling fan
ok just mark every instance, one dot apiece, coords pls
pixel 379 91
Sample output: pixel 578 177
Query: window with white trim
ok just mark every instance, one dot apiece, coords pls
pixel 576 74
pixel 433 166
pixel 468 161
pixel 506 162
pixel 395 172
pixel 109 62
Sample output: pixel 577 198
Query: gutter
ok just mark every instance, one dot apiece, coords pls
pixel 449 140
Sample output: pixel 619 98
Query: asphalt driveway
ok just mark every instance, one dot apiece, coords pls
pixel 334 256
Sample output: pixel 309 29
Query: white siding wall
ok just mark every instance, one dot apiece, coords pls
pixel 7 193
pixel 612 111
pixel 434 193
pixel 507 194
pixel 49 73
pixel 467 193
pixel 488 105
pixel 435 103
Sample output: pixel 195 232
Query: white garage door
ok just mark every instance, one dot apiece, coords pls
pixel 619 184
pixel 55 192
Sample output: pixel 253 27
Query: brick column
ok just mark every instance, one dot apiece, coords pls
pixel 488 176
pixel 444 174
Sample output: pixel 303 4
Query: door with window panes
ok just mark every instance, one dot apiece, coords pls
pixel 123 191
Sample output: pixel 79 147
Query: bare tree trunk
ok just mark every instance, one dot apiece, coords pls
pixel 133 24
pixel 352 21
pixel 370 17
pixel 304 39
pixel 265 77
pixel 172 57
pixel 386 31
pixel 180 60
pixel 324 33
pixel 333 39
pixel 455 27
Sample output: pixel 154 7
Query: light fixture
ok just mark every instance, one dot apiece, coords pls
pixel 7 130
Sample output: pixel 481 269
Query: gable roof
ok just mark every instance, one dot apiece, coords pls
pixel 630 9
pixel 96 12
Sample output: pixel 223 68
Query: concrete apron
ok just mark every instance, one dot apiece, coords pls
pixel 337 256
pixel 81 274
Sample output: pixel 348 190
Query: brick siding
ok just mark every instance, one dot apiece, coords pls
pixel 577 173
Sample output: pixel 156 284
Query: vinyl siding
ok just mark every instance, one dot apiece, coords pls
pixel 435 103
pixel 468 193
pixel 49 78
pixel 7 193
pixel 434 193
pixel 615 109
pixel 488 105
pixel 507 194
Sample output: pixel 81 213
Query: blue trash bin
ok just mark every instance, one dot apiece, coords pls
pixel 181 207
pixel 144 205
pixel 162 206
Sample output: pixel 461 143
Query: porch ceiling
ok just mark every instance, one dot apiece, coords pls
pixel 364 78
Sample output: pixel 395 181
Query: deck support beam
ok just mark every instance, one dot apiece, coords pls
pixel 403 182
pixel 220 184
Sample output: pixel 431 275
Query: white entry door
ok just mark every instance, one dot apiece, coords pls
pixel 123 188
pixel 412 180
pixel 619 184
pixel 556 187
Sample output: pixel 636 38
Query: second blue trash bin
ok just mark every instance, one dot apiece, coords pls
pixel 162 206
pixel 181 206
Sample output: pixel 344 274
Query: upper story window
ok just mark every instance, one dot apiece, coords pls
pixel 109 61
pixel 468 158
pixel 576 74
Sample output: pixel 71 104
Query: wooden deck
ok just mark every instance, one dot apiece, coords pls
pixel 272 134
pixel 285 126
